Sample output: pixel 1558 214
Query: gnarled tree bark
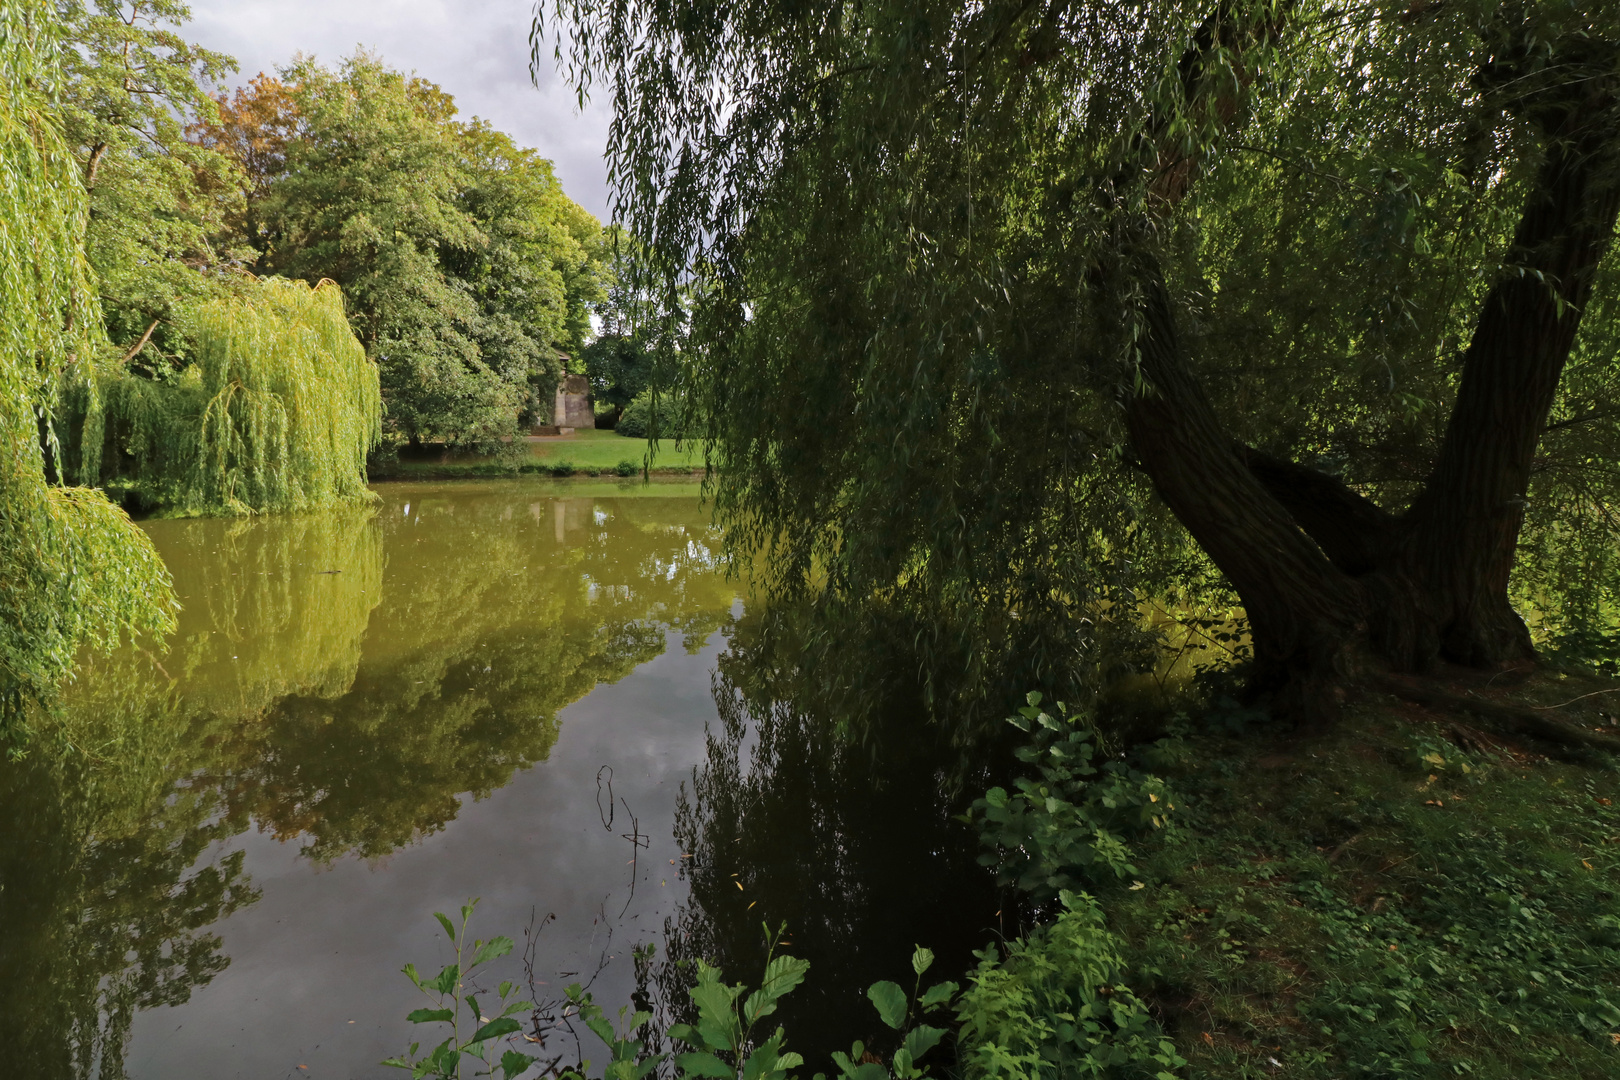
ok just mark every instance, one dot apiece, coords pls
pixel 1333 583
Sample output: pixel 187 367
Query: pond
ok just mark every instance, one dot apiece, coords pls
pixel 552 697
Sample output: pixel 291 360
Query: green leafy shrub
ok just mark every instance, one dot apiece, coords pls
pixel 643 418
pixel 627 468
pixel 1056 1005
pixel 1066 827
pixel 898 1011
pixel 722 1043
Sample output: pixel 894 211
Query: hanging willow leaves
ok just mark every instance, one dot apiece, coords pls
pixel 278 414
pixel 73 568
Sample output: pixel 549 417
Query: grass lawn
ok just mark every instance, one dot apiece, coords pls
pixel 589 453
pixel 604 450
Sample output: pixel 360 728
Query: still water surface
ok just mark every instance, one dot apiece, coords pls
pixel 547 696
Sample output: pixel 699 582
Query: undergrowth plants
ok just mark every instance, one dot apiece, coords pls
pixel 1233 902
pixel 473 1036
pixel 1379 904
pixel 722 1041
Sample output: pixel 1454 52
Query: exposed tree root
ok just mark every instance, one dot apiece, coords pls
pixel 1517 719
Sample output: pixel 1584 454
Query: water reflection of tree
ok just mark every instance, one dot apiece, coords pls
pixel 854 846
pixel 482 637
pixel 102 910
pixel 323 706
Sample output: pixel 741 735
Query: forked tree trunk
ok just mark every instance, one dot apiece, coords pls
pixel 1331 583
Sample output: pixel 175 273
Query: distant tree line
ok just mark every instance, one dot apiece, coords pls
pixel 468 273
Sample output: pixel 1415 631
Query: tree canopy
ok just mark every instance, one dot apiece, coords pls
pixel 1007 316
pixel 467 269
pixel 157 201
pixel 73 569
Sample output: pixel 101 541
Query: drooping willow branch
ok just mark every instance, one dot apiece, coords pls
pixel 278 414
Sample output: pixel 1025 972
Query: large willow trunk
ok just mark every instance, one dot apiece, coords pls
pixel 1332 583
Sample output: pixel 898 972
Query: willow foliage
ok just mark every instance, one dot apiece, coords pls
pixel 278 414
pixel 73 568
pixel 902 244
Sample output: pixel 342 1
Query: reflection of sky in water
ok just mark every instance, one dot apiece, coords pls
pixel 386 714
pixel 366 718
pixel 324 945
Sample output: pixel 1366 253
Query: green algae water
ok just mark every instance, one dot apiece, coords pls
pixel 219 854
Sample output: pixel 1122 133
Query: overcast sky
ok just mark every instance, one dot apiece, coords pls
pixel 477 50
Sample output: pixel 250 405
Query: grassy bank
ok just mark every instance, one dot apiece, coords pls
pixel 1409 895
pixel 585 453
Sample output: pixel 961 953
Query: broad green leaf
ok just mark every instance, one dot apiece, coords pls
pixel 506 987
pixel 921 1039
pixel 890 1001
pixel 870 1071
pixel 789 1060
pixel 698 1036
pixel 599 1024
pixel 444 921
pixel 491 949
pixel 715 1001
pixel 445 981
pixel 514 1063
pixel 922 960
pixel 703 1063
pixel 410 973
pixel 937 995
pixel 441 1054
pixel 495 1029
pixel 647 1066
pixel 425 1016
pixel 782 974
pixel 517 1007
pixel 763 1061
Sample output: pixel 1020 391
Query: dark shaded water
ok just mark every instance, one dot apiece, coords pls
pixel 216 860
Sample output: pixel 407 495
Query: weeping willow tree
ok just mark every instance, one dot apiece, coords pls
pixel 1003 315
pixel 278 414
pixel 73 568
